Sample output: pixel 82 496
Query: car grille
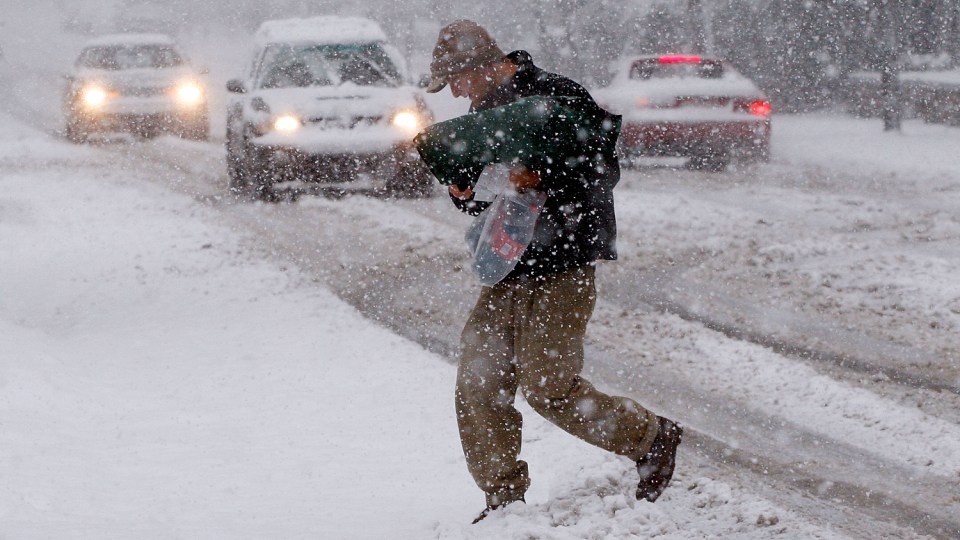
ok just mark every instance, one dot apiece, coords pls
pixel 341 122
pixel 143 91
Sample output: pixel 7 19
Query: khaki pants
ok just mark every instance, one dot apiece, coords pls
pixel 528 334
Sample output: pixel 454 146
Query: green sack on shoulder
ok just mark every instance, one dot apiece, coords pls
pixel 538 132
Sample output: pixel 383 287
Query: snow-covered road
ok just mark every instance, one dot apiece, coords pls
pixel 800 317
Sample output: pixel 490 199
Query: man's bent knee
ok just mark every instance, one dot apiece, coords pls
pixel 553 392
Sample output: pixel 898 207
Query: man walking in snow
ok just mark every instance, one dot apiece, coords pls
pixel 527 331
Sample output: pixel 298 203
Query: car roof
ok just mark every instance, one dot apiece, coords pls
pixel 327 29
pixel 130 39
pixel 732 82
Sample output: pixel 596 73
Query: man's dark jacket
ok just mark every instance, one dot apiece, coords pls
pixel 577 225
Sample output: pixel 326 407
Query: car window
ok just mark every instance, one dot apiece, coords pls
pixel 288 66
pixel 121 57
pixel 654 69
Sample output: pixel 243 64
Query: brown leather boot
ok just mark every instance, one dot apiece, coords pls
pixel 656 468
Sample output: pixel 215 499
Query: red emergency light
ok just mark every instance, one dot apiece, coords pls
pixel 679 59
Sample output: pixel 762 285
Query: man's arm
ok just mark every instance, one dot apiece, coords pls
pixel 522 178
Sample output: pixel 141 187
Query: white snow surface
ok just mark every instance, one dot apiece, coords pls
pixel 160 380
pixel 948 77
pixel 323 29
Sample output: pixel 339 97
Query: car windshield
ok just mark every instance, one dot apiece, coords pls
pixel 118 57
pixel 655 69
pixel 287 66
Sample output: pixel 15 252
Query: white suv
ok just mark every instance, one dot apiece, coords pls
pixel 325 100
pixel 139 83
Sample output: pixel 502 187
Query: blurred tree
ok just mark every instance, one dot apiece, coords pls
pixel 697 25
pixel 892 23
pixel 583 38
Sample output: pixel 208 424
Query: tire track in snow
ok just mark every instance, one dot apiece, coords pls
pixel 841 358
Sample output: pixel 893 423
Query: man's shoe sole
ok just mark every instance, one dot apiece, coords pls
pixel 487 510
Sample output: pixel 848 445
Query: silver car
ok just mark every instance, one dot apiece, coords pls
pixel 138 83
pixel 326 100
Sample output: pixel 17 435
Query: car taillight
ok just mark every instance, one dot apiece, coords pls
pixel 760 108
pixel 756 107
pixel 679 59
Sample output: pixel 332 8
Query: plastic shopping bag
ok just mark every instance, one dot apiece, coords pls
pixel 501 233
pixel 494 180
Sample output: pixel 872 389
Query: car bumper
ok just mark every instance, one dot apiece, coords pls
pixel 330 163
pixel 129 122
pixel 676 138
pixel 134 114
pixel 320 142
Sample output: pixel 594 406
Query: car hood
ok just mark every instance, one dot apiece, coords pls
pixel 330 101
pixel 137 77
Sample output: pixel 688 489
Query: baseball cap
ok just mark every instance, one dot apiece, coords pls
pixel 461 45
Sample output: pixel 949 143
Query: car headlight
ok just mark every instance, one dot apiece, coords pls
pixel 189 93
pixel 407 120
pixel 287 123
pixel 93 96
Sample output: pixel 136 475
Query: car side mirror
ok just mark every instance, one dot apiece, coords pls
pixel 236 86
